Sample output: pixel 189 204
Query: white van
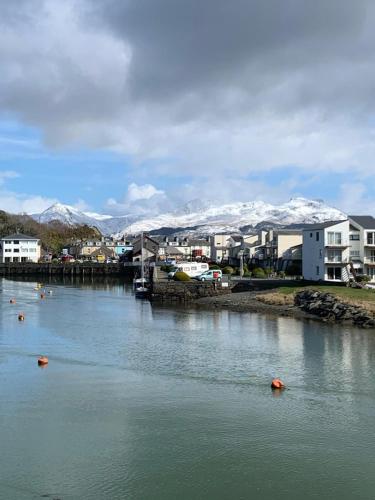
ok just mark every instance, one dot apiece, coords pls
pixel 192 269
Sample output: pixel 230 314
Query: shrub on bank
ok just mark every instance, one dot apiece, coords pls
pixel 363 278
pixel 214 266
pixel 228 270
pixel 258 272
pixel 181 276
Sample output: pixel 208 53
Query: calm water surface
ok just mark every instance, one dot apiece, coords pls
pixel 142 402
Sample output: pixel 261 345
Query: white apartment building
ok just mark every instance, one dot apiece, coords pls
pixel 19 248
pixel 325 251
pixel 362 244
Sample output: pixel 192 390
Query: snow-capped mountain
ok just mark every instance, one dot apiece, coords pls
pixel 201 217
pixel 231 217
pixel 67 214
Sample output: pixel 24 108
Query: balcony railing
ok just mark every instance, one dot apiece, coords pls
pixel 369 260
pixel 337 244
pixel 336 260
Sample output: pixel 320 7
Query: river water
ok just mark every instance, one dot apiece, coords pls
pixel 141 402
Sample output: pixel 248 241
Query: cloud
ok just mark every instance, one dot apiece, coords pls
pixel 217 89
pixel 144 192
pixel 7 174
pixel 22 203
pixel 144 199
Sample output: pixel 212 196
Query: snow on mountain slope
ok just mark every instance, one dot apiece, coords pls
pixel 208 217
pixel 230 217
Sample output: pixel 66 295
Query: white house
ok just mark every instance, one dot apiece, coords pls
pixel 325 251
pixel 19 248
pixel 362 244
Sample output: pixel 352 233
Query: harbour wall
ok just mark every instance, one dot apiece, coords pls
pixel 178 291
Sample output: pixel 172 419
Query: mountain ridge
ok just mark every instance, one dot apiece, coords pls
pixel 200 217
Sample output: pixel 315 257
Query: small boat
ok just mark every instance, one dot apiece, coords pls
pixel 141 285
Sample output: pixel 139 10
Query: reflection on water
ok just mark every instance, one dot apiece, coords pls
pixel 162 403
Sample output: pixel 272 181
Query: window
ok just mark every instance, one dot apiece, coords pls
pixel 16 259
pixel 32 250
pixel 25 250
pixel 16 250
pixel 370 238
pixel 311 235
pixel 8 250
pixel 23 259
pixel 334 238
pixel 334 256
pixel 317 270
pixel 317 236
pixel 354 237
pixel 334 273
pixel 16 242
pixel 320 253
pixel 354 253
pixel 7 259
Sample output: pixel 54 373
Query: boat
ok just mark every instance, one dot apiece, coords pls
pixel 141 285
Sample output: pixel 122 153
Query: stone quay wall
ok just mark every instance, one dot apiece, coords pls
pixel 179 291
pixel 72 269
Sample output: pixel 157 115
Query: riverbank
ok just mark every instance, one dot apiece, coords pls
pixel 327 304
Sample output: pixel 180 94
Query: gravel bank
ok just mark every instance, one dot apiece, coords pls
pixel 247 302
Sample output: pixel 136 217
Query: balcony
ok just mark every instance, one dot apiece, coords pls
pixel 369 261
pixel 336 260
pixel 333 244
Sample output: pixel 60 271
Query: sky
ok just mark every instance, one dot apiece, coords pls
pixel 121 106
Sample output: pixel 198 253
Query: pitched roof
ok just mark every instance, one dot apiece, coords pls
pixel 19 237
pixel 365 221
pixel 322 225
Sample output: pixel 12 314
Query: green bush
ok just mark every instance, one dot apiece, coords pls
pixel 363 278
pixel 282 274
pixel 268 270
pixel 214 266
pixel 181 276
pixel 258 272
pixel 167 268
pixel 247 274
pixel 228 270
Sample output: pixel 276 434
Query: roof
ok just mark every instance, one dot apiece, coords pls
pixel 19 237
pixel 365 221
pixel 323 225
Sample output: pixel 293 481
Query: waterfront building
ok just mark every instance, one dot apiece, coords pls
pixel 325 251
pixel 19 248
pixel 362 244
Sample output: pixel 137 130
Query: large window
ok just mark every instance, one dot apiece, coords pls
pixel 334 238
pixel 334 255
pixel 334 273
pixel 370 238
pixel 354 237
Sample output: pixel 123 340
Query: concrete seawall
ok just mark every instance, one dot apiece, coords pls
pixel 177 291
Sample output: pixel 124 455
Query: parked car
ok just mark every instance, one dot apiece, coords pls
pixel 212 274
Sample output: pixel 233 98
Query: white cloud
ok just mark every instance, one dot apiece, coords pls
pixel 22 203
pixel 7 174
pixel 144 192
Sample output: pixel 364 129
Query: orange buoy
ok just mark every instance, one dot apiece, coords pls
pixel 277 384
pixel 12 301
pixel 42 360
pixel 21 317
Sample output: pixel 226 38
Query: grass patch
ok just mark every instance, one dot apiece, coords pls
pixel 339 291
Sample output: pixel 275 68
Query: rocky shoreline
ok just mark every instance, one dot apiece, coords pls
pixel 307 304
